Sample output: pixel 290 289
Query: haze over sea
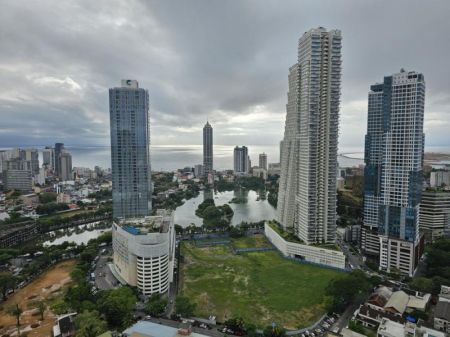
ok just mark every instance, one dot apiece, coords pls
pixel 172 157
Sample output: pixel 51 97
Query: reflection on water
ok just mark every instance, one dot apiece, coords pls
pixel 78 235
pixel 256 208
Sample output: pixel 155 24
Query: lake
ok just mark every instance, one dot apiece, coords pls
pixel 253 211
pixel 78 235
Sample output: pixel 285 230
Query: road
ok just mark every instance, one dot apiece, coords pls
pixel 104 279
pixel 342 321
pixel 353 259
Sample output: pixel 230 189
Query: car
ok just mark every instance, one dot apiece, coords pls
pixel 148 317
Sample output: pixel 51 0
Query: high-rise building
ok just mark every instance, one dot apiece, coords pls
pixel 65 162
pixel 198 171
pixel 307 191
pixel 17 175
pixel 130 150
pixel 31 155
pixel 394 147
pixel 48 157
pixel 207 149
pixel 241 160
pixel 263 161
pixel 59 148
pixel 435 214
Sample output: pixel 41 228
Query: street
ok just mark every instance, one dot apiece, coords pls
pixel 104 279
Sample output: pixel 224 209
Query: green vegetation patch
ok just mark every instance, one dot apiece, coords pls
pixel 254 241
pixel 260 287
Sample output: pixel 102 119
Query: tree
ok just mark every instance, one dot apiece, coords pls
pixel 422 284
pixel 178 229
pixel 184 307
pixel 16 311
pixel 274 331
pixel 41 309
pixel 7 281
pixel 117 305
pixel 89 324
pixel 47 197
pixel 156 305
pixel 350 288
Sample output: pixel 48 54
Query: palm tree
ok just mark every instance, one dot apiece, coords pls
pixel 41 308
pixel 16 311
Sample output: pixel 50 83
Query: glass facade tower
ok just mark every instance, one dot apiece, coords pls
pixel 394 147
pixel 130 150
pixel 207 149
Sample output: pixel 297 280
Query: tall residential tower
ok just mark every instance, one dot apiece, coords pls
pixel 130 150
pixel 394 148
pixel 307 192
pixel 207 149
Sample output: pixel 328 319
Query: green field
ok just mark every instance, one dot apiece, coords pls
pixel 261 287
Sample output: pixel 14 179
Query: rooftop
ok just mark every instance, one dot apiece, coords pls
pixel 288 236
pixel 158 223
pixel 389 328
pixel 149 329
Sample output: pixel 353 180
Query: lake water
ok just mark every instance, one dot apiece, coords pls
pixel 78 235
pixel 253 211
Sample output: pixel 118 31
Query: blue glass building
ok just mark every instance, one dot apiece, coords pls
pixel 394 147
pixel 130 150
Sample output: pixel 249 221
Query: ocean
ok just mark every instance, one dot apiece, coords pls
pixel 172 157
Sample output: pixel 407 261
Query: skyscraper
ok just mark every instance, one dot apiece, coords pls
pixel 207 149
pixel 241 160
pixel 393 174
pixel 48 157
pixel 307 192
pixel 65 160
pixel 263 161
pixel 59 147
pixel 130 150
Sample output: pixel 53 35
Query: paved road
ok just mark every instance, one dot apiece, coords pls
pixel 342 321
pixel 104 279
pixel 354 259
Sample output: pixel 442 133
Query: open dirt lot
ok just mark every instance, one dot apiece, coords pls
pixel 47 287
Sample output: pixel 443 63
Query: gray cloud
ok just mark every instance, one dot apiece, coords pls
pixel 223 60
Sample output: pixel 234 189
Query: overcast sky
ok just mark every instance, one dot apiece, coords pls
pixel 223 60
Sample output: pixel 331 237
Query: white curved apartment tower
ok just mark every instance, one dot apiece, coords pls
pixel 144 251
pixel 307 192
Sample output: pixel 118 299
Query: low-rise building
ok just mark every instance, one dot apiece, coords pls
pixel 144 251
pixel 274 168
pixel 259 172
pixel 442 316
pixel 308 253
pixel 65 325
pixel 390 328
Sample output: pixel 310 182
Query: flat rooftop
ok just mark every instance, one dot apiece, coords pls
pixel 158 223
pixel 150 329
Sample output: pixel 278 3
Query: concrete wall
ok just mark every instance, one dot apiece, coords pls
pixel 321 256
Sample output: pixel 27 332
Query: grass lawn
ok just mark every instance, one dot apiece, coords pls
pixel 261 287
pixel 255 241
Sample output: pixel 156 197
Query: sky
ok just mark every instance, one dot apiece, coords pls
pixel 225 61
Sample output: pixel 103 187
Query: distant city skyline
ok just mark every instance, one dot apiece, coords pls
pixel 61 94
